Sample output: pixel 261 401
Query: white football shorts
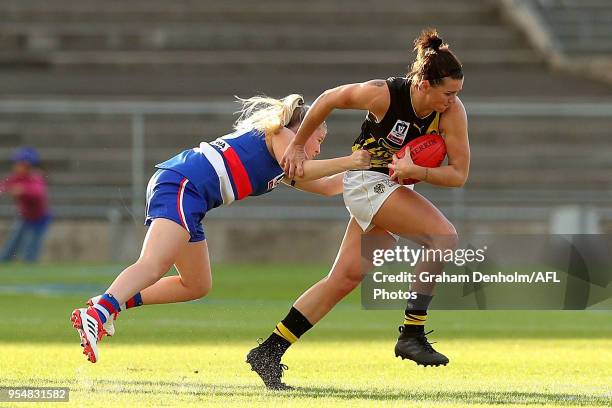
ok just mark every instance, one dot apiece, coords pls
pixel 365 191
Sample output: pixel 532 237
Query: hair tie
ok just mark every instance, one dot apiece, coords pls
pixel 434 43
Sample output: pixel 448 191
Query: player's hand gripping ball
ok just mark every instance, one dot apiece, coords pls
pixel 425 151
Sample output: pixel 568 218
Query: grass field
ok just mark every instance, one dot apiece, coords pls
pixel 193 354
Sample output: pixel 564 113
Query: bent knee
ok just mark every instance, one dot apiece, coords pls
pixel 199 289
pixel 203 290
pixel 446 238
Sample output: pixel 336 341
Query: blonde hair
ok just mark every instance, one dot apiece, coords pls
pixel 268 114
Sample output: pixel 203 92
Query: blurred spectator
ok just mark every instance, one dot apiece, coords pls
pixel 26 183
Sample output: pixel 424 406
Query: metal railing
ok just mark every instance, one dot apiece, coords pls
pixel 139 111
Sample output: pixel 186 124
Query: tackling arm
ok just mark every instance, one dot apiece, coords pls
pixel 327 186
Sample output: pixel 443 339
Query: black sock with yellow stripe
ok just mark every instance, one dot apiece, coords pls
pixel 288 331
pixel 415 314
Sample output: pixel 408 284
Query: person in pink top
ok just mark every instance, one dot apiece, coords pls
pixel 28 187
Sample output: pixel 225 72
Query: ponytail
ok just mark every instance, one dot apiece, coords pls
pixel 268 115
pixel 434 60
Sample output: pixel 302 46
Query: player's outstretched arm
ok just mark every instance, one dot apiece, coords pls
pixel 316 169
pixel 326 186
pixel 372 96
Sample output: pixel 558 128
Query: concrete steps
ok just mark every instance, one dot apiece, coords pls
pixel 209 50
pixel 239 36
pixel 211 82
pixel 581 28
pixel 140 33
pixel 268 11
pixel 280 59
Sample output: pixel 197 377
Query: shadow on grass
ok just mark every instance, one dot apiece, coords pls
pixel 375 395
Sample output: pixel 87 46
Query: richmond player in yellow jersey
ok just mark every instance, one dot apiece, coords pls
pixel 399 110
pixel 382 139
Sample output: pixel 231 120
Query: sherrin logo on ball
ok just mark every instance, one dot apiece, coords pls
pixel 426 151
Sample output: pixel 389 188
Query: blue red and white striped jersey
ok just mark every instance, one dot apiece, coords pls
pixel 229 168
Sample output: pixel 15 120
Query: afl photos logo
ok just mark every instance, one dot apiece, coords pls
pixel 399 132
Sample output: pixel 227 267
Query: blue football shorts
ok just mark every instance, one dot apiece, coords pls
pixel 172 196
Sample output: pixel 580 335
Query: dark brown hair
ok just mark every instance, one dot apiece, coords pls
pixel 434 60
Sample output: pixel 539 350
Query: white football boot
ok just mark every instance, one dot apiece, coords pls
pixel 89 326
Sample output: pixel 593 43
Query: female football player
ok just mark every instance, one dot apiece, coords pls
pixel 399 110
pixel 184 188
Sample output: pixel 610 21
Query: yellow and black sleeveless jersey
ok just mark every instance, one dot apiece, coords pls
pixel 399 126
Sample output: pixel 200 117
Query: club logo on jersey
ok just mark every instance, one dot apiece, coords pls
pixel 399 132
pixel 379 188
pixel 221 144
pixel 419 128
pixel 272 184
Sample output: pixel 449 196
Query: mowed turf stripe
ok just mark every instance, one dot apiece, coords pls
pixel 51 289
pixel 482 373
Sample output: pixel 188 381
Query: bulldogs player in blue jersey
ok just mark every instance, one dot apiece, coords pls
pixel 184 188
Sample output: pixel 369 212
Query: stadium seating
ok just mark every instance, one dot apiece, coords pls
pixel 581 27
pixel 210 50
